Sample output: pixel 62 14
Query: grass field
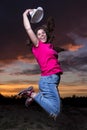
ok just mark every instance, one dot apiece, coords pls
pixel 18 117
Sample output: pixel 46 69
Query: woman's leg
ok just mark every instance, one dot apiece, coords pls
pixel 48 97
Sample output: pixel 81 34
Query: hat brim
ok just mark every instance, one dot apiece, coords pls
pixel 37 17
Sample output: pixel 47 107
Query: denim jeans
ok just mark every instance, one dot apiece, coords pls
pixel 48 96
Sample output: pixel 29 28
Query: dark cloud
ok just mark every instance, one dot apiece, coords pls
pixel 72 62
pixel 1 70
pixel 33 71
pixel 27 72
pixel 20 82
pixel 80 61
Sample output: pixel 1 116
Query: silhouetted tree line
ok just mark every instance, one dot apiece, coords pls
pixel 75 101
pixel 11 100
pixel 67 101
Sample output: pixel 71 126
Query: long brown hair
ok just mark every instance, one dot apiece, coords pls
pixel 48 28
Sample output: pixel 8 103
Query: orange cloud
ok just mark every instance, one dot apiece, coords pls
pixel 72 47
pixel 27 58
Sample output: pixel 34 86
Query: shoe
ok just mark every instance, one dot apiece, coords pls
pixel 53 116
pixel 29 93
pixel 26 92
pixel 28 101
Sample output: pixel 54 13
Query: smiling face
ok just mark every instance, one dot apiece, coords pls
pixel 41 35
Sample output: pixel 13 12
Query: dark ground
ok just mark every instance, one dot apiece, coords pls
pixel 18 117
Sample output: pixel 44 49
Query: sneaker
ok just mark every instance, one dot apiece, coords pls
pixel 26 92
pixel 28 101
pixel 54 116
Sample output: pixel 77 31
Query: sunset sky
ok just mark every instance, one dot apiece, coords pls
pixel 19 69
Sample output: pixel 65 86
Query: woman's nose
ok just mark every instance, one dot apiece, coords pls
pixel 41 34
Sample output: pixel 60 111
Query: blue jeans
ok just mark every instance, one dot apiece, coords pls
pixel 48 97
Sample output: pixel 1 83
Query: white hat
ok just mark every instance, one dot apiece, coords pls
pixel 36 15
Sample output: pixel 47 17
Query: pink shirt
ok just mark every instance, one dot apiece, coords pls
pixel 47 59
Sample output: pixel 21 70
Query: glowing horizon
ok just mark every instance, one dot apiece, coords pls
pixel 65 91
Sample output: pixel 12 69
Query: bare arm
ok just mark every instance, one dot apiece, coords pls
pixel 28 28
